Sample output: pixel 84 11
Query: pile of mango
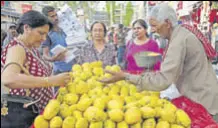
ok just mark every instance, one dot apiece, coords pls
pixel 87 103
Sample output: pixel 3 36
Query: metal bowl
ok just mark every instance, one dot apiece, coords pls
pixel 144 60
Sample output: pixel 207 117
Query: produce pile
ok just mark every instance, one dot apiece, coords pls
pixel 87 103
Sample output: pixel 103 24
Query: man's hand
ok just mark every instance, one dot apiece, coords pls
pixel 59 57
pixel 116 76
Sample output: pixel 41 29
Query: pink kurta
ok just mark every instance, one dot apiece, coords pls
pixel 132 49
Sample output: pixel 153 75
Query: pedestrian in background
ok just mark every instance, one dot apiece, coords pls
pixel 120 37
pixel 110 35
pixel 10 34
pixel 3 36
pixel 56 36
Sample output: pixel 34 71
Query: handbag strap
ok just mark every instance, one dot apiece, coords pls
pixel 21 67
pixel 6 90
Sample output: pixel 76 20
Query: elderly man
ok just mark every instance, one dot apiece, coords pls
pixel 185 63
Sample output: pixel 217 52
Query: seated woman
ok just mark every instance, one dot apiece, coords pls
pixel 98 49
pixel 24 72
pixel 139 44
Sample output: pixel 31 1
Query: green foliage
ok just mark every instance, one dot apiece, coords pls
pixel 129 14
pixel 72 4
pixel 108 8
pixel 85 5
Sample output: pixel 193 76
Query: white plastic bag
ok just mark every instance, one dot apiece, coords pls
pixel 171 92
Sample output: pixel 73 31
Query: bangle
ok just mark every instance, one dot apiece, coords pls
pixel 47 83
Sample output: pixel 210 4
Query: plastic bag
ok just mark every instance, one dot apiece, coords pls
pixel 171 92
pixel 199 116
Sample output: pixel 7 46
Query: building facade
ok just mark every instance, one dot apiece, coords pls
pixel 101 16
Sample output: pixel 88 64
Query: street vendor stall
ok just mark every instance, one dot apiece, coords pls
pixel 86 102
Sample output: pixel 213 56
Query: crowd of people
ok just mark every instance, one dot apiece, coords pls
pixel 28 73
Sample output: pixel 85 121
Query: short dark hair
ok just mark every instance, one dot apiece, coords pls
pixel 34 19
pixel 47 9
pixel 12 25
pixel 120 26
pixel 104 26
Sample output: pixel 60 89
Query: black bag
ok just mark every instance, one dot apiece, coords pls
pixel 14 114
pixel 17 111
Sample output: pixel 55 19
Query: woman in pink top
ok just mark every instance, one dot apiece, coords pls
pixel 140 43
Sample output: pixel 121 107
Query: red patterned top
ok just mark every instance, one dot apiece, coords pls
pixel 37 67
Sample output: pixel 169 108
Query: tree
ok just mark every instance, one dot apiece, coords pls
pixel 87 6
pixel 72 4
pixel 56 4
pixel 129 14
pixel 108 8
pixel 89 9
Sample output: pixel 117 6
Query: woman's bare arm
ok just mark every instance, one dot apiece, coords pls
pixel 12 78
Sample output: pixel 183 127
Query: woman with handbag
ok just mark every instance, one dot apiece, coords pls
pixel 26 74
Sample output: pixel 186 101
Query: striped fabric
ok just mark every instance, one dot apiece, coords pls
pixel 210 51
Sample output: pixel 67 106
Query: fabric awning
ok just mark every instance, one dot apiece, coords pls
pixel 8 13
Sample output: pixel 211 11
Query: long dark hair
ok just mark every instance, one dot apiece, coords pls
pixel 34 19
pixel 142 23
